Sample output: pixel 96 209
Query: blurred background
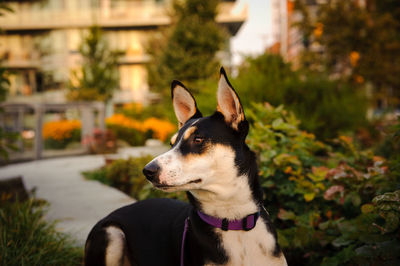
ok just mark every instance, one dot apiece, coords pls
pixel 319 80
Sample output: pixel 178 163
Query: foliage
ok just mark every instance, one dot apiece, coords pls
pixel 4 83
pixel 136 132
pixel 126 175
pixel 206 95
pixel 57 134
pixel 360 43
pixel 98 76
pixel 5 8
pixel 7 142
pixel 390 147
pixel 327 201
pixel 263 78
pixel 325 107
pixel 132 136
pixel 190 46
pixel 27 239
pixel 7 139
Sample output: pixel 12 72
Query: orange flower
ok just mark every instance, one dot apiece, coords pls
pixel 288 170
pixel 121 120
pixel 60 130
pixel 359 79
pixel 160 128
pixel 354 57
pixel 319 29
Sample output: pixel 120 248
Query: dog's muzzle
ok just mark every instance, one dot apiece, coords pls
pixel 152 171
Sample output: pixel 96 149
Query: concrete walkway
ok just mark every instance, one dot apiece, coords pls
pixel 75 202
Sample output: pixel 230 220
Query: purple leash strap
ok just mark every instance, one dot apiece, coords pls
pixel 183 239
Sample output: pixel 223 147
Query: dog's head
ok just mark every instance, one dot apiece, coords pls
pixel 207 152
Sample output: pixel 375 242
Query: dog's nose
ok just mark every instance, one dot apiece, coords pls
pixel 151 171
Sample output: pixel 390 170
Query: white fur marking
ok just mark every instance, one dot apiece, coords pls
pixel 254 247
pixel 115 248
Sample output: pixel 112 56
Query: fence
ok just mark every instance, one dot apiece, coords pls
pixel 16 112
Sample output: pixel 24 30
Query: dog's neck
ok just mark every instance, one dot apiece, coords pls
pixel 233 197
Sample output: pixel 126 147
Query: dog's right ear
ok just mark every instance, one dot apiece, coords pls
pixel 185 106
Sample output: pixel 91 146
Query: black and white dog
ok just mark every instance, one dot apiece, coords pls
pixel 225 222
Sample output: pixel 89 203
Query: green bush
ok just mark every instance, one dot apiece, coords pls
pixel 126 175
pixel 325 107
pixel 327 202
pixel 27 239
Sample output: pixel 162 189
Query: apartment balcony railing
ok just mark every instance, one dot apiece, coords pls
pixel 135 14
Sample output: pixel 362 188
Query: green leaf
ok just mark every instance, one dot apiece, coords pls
pixel 341 241
pixel 340 258
pixel 286 215
pixel 284 159
pixel 392 221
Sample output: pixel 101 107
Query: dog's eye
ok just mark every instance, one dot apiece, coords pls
pixel 198 140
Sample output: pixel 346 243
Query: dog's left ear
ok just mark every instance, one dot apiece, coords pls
pixel 228 102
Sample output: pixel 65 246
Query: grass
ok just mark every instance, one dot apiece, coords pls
pixel 27 239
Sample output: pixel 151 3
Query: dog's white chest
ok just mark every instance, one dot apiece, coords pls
pixel 254 247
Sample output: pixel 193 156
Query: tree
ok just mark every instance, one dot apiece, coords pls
pixel 187 50
pixel 7 139
pixel 360 43
pixel 98 77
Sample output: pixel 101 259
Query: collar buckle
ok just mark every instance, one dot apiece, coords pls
pixel 245 221
pixel 225 224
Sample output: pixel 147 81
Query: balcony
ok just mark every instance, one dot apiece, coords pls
pixel 133 14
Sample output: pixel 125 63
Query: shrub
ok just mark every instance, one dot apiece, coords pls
pixel 57 134
pixel 326 201
pixel 324 106
pixel 126 175
pixel 27 239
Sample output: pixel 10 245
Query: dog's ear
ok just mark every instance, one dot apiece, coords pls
pixel 228 102
pixel 185 106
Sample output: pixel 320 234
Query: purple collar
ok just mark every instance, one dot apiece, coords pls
pixel 246 224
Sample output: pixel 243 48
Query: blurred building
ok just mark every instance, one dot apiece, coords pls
pixel 288 40
pixel 40 42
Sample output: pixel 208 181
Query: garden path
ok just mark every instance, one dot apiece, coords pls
pixel 75 202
